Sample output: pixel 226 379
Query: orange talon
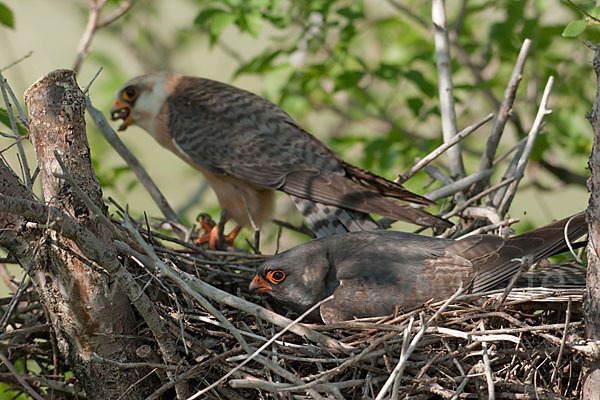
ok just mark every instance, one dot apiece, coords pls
pixel 207 225
pixel 227 239
pixel 212 234
pixel 232 235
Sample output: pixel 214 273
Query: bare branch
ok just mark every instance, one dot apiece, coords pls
pixel 441 149
pixel 13 126
pixel 458 185
pixel 505 108
pixel 398 370
pixel 93 24
pixel 30 391
pixel 445 86
pixel 524 157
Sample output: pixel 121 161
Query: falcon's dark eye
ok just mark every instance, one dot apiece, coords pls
pixel 276 276
pixel 130 93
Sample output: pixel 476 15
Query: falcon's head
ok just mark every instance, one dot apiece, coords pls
pixel 140 100
pixel 299 277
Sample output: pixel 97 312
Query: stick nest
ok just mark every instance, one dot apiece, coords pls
pixel 530 346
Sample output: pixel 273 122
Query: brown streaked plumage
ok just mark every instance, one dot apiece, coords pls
pixel 246 147
pixel 372 273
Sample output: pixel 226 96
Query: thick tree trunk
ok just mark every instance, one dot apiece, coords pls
pixel 90 313
pixel 591 383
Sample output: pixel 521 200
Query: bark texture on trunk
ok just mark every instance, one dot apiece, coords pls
pixel 90 313
pixel 591 383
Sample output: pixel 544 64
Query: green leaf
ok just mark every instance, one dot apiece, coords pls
pixel 353 12
pixel 205 15
pixel 574 28
pixel 262 63
pixel 219 22
pixel 348 79
pixel 388 72
pixel 253 23
pixel 595 12
pixel 415 104
pixel 6 121
pixel 418 79
pixel 6 16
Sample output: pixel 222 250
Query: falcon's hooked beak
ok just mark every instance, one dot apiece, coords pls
pixel 259 285
pixel 122 110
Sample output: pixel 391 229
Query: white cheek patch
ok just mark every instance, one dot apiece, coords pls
pixel 148 105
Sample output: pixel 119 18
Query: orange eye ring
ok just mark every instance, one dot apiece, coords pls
pixel 276 276
pixel 130 93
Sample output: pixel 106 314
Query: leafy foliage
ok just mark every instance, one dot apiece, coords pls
pixel 6 16
pixel 373 66
pixel 4 118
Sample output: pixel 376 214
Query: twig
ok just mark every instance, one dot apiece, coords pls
pixel 483 213
pixel 525 263
pixel 123 365
pixel 562 342
pixel 473 199
pixel 30 391
pixel 584 12
pixel 66 176
pixel 441 149
pixel 477 338
pixel 524 157
pixel 87 87
pixel 398 370
pixel 410 12
pixel 276 387
pixel 446 90
pixel 17 61
pixel 488 368
pixel 435 173
pixel 15 298
pixel 491 227
pixel 519 145
pixel 15 129
pixel 568 242
pixel 463 383
pixel 93 24
pixel 458 185
pixel 505 107
pixel 261 348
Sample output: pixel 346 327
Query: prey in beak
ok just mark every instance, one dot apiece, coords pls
pixel 259 285
pixel 121 110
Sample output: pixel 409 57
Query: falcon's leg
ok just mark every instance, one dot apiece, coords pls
pixel 256 241
pixel 207 224
pixel 217 240
pixel 214 233
pixel 254 226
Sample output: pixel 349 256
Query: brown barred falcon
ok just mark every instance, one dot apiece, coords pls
pixel 246 147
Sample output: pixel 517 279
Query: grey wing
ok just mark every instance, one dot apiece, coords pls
pixel 393 269
pixel 496 260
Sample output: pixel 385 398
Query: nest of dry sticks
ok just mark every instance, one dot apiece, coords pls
pixel 524 344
